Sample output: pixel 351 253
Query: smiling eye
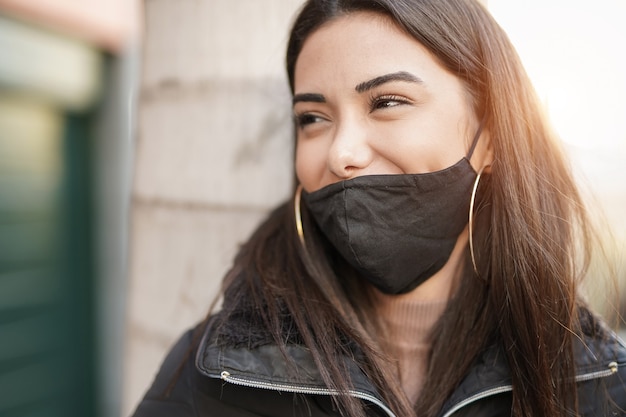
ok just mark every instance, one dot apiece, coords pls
pixel 385 102
pixel 305 119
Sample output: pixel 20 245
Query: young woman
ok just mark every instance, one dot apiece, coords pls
pixel 428 264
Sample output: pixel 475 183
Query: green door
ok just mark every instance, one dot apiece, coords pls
pixel 46 277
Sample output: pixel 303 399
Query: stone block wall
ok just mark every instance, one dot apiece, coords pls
pixel 213 154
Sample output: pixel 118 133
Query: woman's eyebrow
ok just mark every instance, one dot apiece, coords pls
pixel 362 87
pixel 395 76
pixel 310 97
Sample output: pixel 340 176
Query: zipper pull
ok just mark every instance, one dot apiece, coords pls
pixel 613 367
pixel 225 374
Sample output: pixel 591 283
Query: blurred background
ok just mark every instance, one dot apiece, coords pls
pixel 68 77
pixel 141 142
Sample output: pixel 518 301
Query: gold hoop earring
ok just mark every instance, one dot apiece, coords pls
pixel 296 205
pixel 471 218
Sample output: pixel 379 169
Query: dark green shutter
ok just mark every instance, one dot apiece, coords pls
pixel 46 273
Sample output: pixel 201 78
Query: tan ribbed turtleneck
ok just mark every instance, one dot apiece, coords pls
pixel 407 326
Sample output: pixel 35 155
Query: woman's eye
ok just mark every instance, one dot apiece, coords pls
pixel 386 102
pixel 306 119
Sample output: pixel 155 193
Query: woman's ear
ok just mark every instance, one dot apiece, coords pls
pixel 483 154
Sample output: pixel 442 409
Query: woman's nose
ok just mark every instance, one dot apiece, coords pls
pixel 350 153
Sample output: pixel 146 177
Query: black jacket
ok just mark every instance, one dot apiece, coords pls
pixel 231 381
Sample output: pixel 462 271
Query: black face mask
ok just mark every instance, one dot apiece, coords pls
pixel 396 230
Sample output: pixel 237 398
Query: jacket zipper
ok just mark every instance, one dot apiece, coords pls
pixel 479 396
pixel 598 374
pixel 506 388
pixel 226 376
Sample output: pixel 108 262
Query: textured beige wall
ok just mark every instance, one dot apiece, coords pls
pixel 213 155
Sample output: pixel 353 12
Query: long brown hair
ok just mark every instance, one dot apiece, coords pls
pixel 529 261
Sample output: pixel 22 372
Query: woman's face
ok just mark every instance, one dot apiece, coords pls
pixel 370 99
